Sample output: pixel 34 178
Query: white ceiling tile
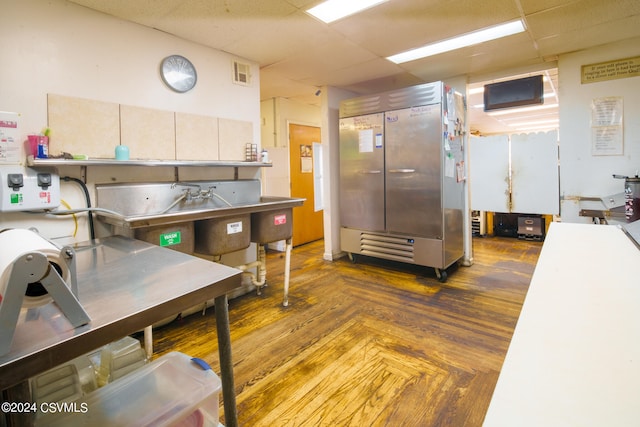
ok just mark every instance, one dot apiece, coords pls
pixel 297 53
pixel 314 62
pixel 480 59
pixel 362 71
pixel 279 39
pixel 416 23
pixel 580 15
pixel 533 6
pixel 579 39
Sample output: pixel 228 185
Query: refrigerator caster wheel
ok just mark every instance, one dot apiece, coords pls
pixel 441 275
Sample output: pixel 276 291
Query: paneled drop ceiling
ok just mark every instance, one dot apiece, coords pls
pixel 298 54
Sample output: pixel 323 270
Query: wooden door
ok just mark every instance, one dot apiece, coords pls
pixel 307 223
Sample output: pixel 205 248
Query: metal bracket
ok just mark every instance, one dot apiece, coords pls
pixel 32 267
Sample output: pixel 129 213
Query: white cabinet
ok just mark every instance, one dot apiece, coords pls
pixel 517 173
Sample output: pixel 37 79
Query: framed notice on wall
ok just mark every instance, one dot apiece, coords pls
pixel 610 70
pixel 607 126
pixel 306 159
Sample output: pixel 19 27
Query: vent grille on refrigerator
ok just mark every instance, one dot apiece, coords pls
pixel 425 94
pixel 241 73
pixel 383 246
pixel 414 96
pixel 362 105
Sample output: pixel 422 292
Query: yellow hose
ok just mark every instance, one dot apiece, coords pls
pixel 75 219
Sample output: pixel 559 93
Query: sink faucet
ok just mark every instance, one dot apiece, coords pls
pixel 185 184
pixel 189 194
pixel 199 194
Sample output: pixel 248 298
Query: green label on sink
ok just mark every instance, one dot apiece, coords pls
pixel 169 239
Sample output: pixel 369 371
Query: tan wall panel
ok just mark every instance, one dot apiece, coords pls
pixel 234 135
pixel 149 133
pixel 83 126
pixel 95 128
pixel 196 137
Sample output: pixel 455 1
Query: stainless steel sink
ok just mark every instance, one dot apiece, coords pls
pixel 210 211
pixel 265 203
pixel 145 205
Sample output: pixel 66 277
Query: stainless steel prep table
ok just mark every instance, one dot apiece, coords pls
pixel 124 285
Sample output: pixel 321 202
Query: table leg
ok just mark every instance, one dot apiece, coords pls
pixel 19 393
pixel 226 363
pixel 148 342
pixel 287 270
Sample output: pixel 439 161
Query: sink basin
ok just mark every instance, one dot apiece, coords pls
pixel 218 236
pixel 272 225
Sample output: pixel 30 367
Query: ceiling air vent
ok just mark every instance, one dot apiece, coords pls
pixel 241 73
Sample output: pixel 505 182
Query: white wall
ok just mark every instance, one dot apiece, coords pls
pixel 53 46
pixel 276 115
pixel 331 151
pixel 61 48
pixel 581 173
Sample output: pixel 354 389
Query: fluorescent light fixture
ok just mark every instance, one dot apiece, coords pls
pixel 536 123
pixel 538 128
pixel 332 10
pixel 465 40
pixel 521 109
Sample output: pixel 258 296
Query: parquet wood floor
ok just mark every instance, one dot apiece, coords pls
pixel 373 343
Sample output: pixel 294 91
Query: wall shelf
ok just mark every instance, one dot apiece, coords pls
pixel 166 163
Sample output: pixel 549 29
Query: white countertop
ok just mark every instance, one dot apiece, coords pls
pixel 574 359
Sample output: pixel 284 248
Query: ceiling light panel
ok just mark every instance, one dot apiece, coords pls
pixel 332 10
pixel 465 40
pixel 521 110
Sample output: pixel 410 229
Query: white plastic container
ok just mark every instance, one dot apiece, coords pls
pixel 173 390
pixel 120 358
pixel 60 384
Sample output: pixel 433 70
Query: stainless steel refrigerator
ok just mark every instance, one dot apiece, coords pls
pixel 401 176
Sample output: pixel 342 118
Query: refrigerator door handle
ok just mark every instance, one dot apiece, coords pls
pixel 374 171
pixel 402 170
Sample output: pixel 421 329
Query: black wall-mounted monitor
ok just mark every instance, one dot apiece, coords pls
pixel 514 93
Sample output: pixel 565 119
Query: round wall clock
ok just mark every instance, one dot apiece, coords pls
pixel 178 73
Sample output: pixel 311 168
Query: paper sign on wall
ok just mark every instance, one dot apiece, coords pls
pixel 306 159
pixel 9 137
pixel 607 126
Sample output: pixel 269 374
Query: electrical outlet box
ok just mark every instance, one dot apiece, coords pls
pixel 26 189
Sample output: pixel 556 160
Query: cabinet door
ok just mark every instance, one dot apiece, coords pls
pixel 489 173
pixel 535 176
